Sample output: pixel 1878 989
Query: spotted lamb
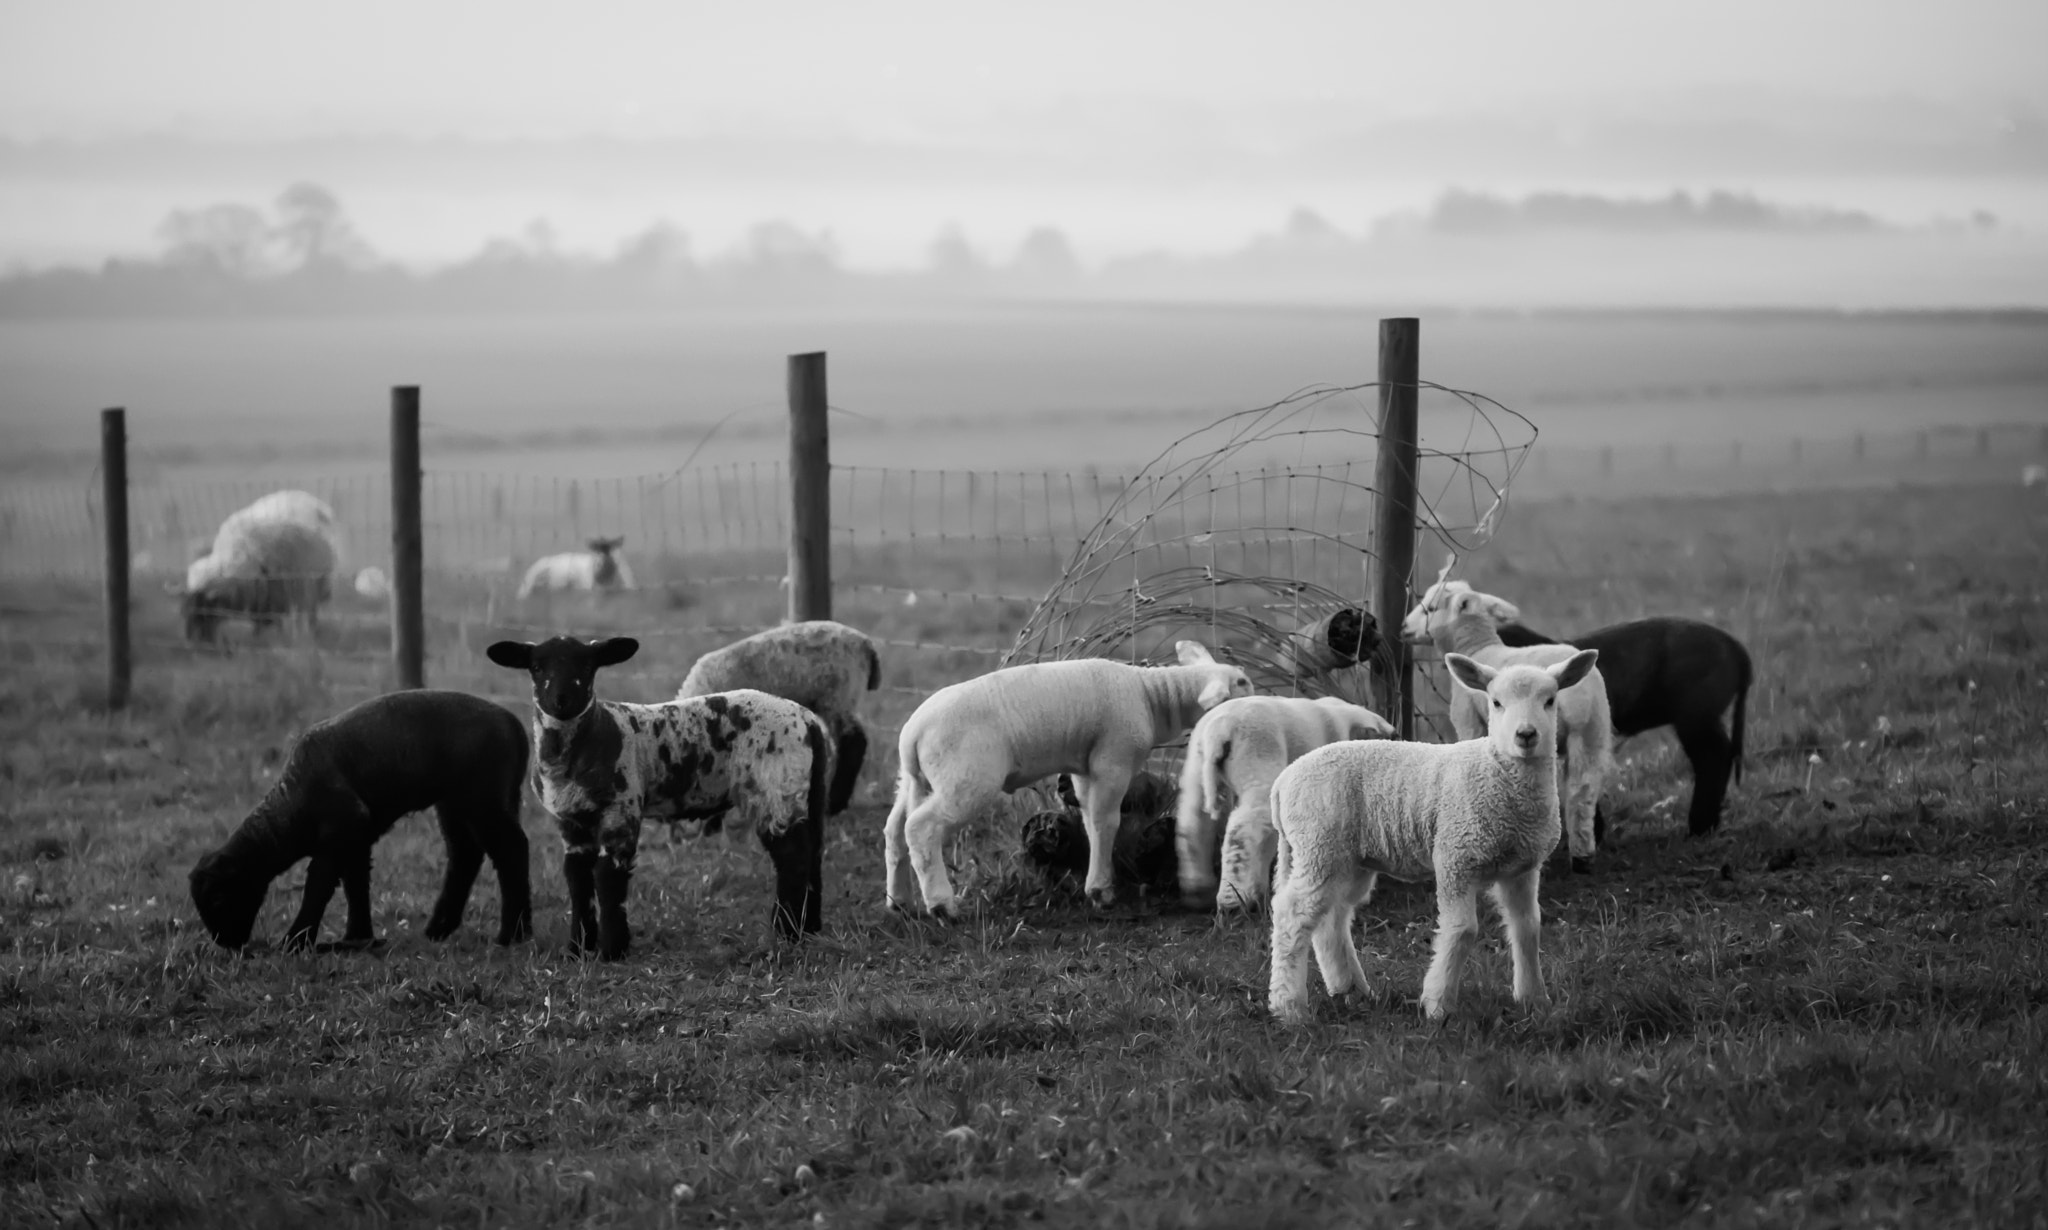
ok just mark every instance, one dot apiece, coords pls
pixel 603 767
pixel 1090 717
pixel 820 664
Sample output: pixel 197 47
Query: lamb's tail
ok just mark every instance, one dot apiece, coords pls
pixel 1212 779
pixel 1741 706
pixel 1283 851
pixel 821 776
pixel 874 664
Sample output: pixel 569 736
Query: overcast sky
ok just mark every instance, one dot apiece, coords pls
pixel 85 68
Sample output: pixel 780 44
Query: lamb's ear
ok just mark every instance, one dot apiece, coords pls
pixel 1214 692
pixel 1192 653
pixel 1470 672
pixel 516 654
pixel 1499 610
pixel 616 650
pixel 1574 668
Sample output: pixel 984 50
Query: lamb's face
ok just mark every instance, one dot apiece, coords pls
pixel 1431 611
pixel 1224 683
pixel 563 669
pixel 227 900
pixel 1521 700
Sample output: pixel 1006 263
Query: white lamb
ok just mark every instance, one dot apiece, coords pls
pixel 821 664
pixel 602 566
pixel 1456 617
pixel 1091 718
pixel 1471 815
pixel 1243 744
pixel 269 560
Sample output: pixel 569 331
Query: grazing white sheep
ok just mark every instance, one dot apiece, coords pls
pixel 1471 815
pixel 602 566
pixel 1090 717
pixel 821 664
pixel 372 583
pixel 1243 744
pixel 1458 618
pixel 268 561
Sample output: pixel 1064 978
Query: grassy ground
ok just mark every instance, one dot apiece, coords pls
pixel 1832 1012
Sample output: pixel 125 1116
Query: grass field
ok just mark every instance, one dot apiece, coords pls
pixel 1833 1012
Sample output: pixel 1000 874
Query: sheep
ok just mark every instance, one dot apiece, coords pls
pixel 269 560
pixel 372 583
pixel 1669 671
pixel 822 665
pixel 1456 617
pixel 603 767
pixel 346 782
pixel 1244 744
pixel 1480 813
pixel 1093 718
pixel 601 567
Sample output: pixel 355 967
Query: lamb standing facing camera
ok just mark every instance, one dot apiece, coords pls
pixel 1090 717
pixel 1471 815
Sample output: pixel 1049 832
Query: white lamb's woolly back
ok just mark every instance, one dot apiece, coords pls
pixel 286 532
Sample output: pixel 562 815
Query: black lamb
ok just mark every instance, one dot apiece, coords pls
pixel 346 782
pixel 1681 673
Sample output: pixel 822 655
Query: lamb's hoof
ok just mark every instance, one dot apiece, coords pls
pixel 1582 864
pixel 944 911
pixel 298 941
pixel 1288 1012
pixel 1102 898
pixel 1199 902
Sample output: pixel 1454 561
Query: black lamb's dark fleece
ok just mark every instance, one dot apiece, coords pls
pixel 1676 672
pixel 347 781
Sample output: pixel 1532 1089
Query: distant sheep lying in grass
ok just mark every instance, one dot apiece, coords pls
pixel 605 766
pixel 346 782
pixel 1681 673
pixel 820 664
pixel 972 741
pixel 1469 815
pixel 1459 619
pixel 1240 746
pixel 602 567
pixel 269 561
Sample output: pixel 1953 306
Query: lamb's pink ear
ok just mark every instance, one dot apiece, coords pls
pixel 516 654
pixel 1214 692
pixel 1574 668
pixel 1470 672
pixel 616 650
pixel 1192 653
pixel 1499 610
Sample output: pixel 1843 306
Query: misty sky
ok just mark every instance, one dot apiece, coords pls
pixel 895 68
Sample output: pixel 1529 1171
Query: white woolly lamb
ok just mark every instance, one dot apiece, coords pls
pixel 1459 619
pixel 1243 744
pixel 268 561
pixel 1092 718
pixel 821 664
pixel 602 566
pixel 1471 815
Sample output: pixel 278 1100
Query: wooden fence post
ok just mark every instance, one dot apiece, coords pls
pixel 1394 535
pixel 810 490
pixel 408 606
pixel 114 499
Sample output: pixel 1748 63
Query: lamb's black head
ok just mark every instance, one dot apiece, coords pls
pixel 605 546
pixel 1353 635
pixel 228 898
pixel 564 669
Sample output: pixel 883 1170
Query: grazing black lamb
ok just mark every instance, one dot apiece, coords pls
pixel 1143 855
pixel 605 766
pixel 346 782
pixel 1676 672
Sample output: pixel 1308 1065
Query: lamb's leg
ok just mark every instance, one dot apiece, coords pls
pixel 1457 930
pixel 1577 795
pixel 465 859
pixel 1101 792
pixel 925 830
pixel 579 873
pixel 618 844
pixel 1194 844
pixel 323 876
pixel 1298 906
pixel 897 879
pixel 1336 954
pixel 1713 758
pixel 1522 915
pixel 1247 852
pixel 504 841
pixel 355 889
pixel 794 852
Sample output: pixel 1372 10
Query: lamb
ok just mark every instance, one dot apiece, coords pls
pixel 601 567
pixel 346 782
pixel 1456 617
pixel 1681 673
pixel 1480 813
pixel 605 766
pixel 268 561
pixel 1244 744
pixel 1093 718
pixel 822 665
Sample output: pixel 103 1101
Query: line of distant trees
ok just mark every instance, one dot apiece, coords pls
pixel 304 254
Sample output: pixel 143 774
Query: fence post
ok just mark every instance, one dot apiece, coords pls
pixel 114 499
pixel 810 490
pixel 408 606
pixel 1394 534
